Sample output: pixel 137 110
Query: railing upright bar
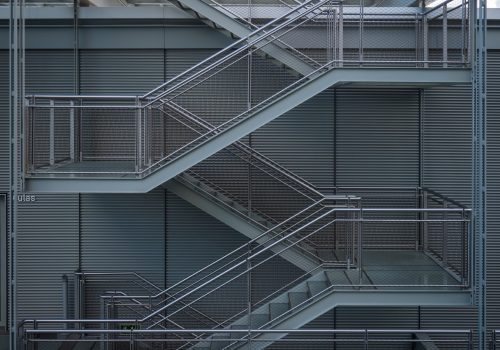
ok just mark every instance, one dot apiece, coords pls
pixel 445 233
pixel 138 136
pixel 51 134
pixel 340 43
pixel 425 40
pixel 445 35
pixel 72 131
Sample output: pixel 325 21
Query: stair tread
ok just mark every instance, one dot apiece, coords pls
pixel 297 298
pixel 257 320
pixel 277 309
pixel 327 255
pixel 316 287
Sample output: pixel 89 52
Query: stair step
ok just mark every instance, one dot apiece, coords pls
pixel 337 277
pixel 277 309
pixel 316 287
pixel 297 298
pixel 327 255
pixel 258 320
pixel 219 341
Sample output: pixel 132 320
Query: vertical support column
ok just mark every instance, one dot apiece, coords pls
pixel 52 158
pixel 72 131
pixel 16 94
pixel 479 165
pixel 445 36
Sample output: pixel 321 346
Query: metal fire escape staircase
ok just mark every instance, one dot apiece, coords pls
pixel 285 217
pixel 75 163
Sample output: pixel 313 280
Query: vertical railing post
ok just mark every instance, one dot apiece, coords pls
pixel 463 252
pixel 425 223
pixel 32 133
pixel 138 136
pixel 65 288
pixel 417 216
pixel 425 40
pixel 366 340
pixel 463 33
pixel 445 233
pixel 445 36
pixel 72 131
pixel 361 29
pixel 80 131
pixel 360 244
pixel 249 294
pixel 341 36
pixel 51 134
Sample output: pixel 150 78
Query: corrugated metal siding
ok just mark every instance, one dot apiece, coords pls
pixel 48 228
pixel 50 72
pixel 447 169
pixel 447 141
pixel 4 120
pixel 121 233
pixel 493 243
pixel 128 72
pixel 115 72
pixel 302 140
pixel 47 249
pixel 377 137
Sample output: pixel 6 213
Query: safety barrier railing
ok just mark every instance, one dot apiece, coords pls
pixel 495 336
pixel 129 136
pixel 459 339
pixel 249 278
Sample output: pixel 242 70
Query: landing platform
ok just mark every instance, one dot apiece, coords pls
pixel 393 268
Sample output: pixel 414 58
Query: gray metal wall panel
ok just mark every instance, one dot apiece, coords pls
pixel 47 249
pixel 377 137
pixel 4 121
pixel 194 239
pixel 115 72
pixel 302 139
pixel 447 141
pixel 48 228
pixel 122 233
pixel 128 72
pixel 493 244
pixel 446 164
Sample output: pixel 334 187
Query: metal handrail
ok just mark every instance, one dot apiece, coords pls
pixel 248 150
pixel 239 45
pixel 356 336
pixel 250 257
pixel 128 297
pixel 248 44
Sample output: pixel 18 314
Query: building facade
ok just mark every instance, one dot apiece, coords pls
pixel 315 176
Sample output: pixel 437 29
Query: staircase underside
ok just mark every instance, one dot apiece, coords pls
pixel 70 178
